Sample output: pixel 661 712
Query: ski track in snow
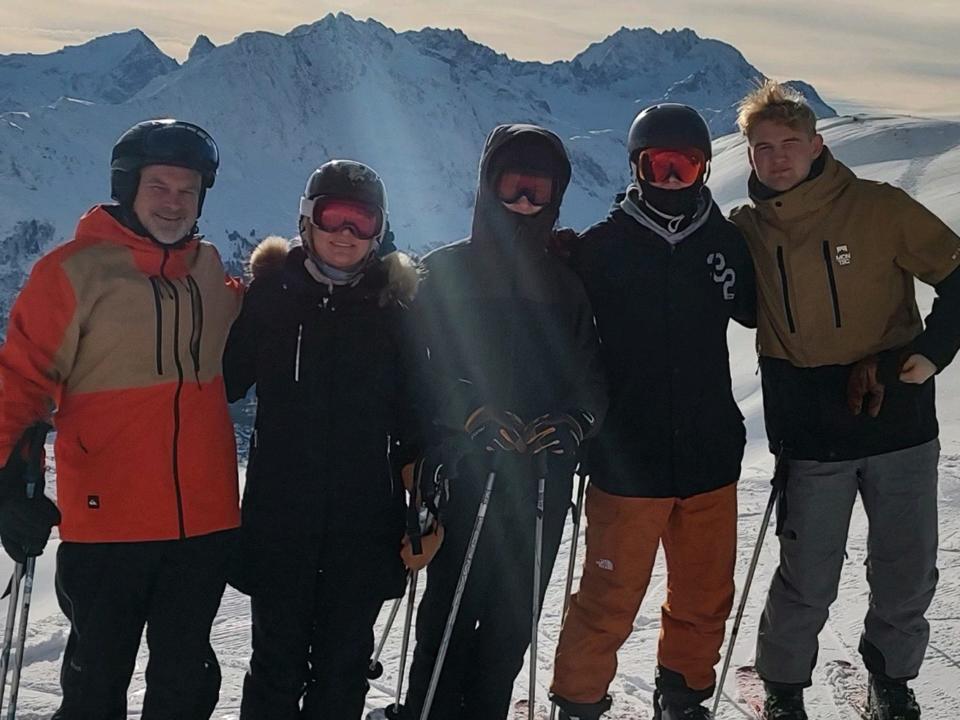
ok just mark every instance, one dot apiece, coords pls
pixel 937 688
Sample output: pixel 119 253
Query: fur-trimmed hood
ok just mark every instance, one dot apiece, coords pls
pixel 403 273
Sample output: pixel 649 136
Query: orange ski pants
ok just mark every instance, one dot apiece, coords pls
pixel 699 536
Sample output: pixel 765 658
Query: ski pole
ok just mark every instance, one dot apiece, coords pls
pixel 572 561
pixel 375 668
pixel 14 590
pixel 537 559
pixel 34 476
pixel 778 484
pixel 394 712
pixel 458 593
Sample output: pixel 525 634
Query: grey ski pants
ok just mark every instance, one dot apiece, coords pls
pixel 899 493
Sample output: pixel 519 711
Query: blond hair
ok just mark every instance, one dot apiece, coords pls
pixel 777 102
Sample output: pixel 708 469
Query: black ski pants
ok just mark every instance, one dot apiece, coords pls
pixel 313 630
pixel 109 592
pixel 492 631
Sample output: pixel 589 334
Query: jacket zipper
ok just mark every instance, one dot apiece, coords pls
pixel 296 362
pixel 833 283
pixel 176 397
pixel 785 288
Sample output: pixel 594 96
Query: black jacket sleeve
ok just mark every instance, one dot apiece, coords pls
pixel 940 339
pixel 410 432
pixel 745 297
pixel 240 353
pixel 590 387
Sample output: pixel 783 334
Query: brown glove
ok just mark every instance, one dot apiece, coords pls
pixel 864 387
pixel 431 540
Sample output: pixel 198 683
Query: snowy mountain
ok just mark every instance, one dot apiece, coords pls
pixel 106 70
pixel 415 105
pixel 921 156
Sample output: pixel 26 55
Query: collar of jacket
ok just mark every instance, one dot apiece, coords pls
pixel 98 225
pixel 634 206
pixel 807 197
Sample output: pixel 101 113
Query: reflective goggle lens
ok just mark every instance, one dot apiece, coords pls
pixel 513 185
pixel 334 214
pixel 657 165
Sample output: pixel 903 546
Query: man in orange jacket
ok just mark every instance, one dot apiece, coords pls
pixel 122 330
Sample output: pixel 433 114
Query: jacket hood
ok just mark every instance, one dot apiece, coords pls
pixel 99 225
pixel 807 197
pixel 495 225
pixel 399 274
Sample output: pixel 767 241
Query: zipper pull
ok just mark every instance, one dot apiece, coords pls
pixel 296 365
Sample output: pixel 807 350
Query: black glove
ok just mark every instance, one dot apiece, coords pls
pixel 25 522
pixel 495 430
pixel 558 433
pixel 25 525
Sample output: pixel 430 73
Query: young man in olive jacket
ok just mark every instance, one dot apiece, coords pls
pixel 665 272
pixel 512 364
pixel 847 368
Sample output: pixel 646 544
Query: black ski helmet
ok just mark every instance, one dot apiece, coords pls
pixel 668 125
pixel 161 142
pixel 350 180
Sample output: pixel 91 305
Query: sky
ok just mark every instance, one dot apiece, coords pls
pixel 880 55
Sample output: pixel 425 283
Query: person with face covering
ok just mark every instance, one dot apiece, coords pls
pixel 321 337
pixel 511 360
pixel 665 272
pixel 122 329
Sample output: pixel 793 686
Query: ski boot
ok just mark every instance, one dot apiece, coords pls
pixel 890 700
pixel 664 711
pixel 581 711
pixel 784 704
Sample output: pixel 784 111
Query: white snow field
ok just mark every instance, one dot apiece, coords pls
pixel 922 156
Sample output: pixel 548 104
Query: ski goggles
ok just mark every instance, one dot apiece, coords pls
pixel 658 165
pixel 515 184
pixel 333 214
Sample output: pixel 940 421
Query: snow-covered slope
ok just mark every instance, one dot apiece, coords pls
pixel 106 70
pixel 923 156
pixel 415 105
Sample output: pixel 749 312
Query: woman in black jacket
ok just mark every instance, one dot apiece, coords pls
pixel 321 336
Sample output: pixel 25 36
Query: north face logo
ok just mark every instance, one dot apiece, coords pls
pixel 843 255
pixel 605 564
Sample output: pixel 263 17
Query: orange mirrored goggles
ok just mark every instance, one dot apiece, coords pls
pixel 658 165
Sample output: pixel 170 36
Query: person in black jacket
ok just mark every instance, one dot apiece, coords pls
pixel 512 368
pixel 664 272
pixel 321 337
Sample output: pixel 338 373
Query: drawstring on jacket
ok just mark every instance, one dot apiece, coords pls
pixel 162 287
pixel 196 328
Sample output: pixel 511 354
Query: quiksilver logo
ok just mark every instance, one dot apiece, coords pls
pixel 605 564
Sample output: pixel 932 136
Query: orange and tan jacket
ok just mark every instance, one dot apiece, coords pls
pixel 835 258
pixel 125 339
